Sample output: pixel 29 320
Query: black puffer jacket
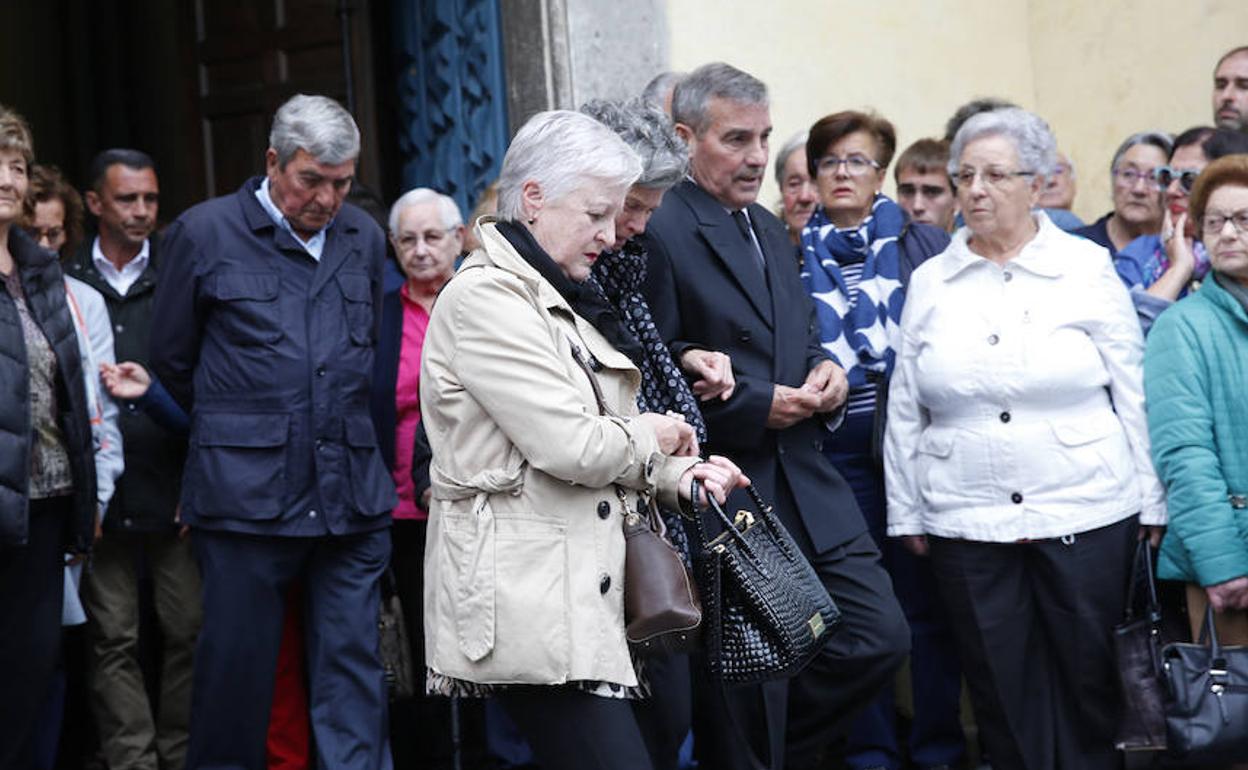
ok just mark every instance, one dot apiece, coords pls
pixel 44 288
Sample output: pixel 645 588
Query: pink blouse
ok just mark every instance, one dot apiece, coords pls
pixel 407 406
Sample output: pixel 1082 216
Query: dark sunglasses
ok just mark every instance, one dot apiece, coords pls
pixel 1165 175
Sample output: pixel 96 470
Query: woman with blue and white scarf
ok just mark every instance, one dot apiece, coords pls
pixel 857 252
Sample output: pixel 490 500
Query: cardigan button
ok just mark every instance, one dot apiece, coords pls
pixel 1008 276
pixel 1016 498
pixel 993 339
pixel 604 509
pixel 1005 417
pixel 604 585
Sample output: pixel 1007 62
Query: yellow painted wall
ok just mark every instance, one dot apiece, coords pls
pixel 1097 70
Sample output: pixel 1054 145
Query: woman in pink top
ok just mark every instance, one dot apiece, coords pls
pixel 428 235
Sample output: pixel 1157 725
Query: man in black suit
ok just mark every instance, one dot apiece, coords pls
pixel 722 276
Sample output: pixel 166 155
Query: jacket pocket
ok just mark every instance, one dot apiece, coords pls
pixel 372 487
pixel 1073 433
pixel 248 307
pixel 239 465
pixel 511 594
pixel 939 473
pixel 357 306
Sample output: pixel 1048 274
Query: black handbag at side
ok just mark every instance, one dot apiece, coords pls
pixel 1206 700
pixel 766 611
pixel 395 652
pixel 1137 643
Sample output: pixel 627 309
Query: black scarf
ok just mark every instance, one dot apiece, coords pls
pixel 585 298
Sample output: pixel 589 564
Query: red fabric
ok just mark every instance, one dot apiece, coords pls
pixel 287 744
pixel 407 406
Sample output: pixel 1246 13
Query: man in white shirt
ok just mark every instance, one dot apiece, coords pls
pixel 121 263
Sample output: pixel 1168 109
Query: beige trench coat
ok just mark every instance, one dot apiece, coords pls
pixel 524 563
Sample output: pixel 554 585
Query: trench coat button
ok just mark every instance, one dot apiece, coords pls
pixel 993 339
pixel 1017 497
pixel 604 509
pixel 604 585
pixel 1005 417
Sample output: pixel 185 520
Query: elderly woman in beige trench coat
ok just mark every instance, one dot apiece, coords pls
pixel 524 567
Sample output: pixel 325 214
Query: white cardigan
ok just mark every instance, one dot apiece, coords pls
pixel 1016 409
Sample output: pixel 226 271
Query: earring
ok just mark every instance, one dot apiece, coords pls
pixel 532 220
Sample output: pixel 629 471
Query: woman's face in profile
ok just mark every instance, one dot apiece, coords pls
pixel 578 227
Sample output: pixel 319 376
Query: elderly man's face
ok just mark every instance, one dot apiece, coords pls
pixel 307 191
pixel 1059 188
pixel 426 247
pixel 729 158
pixel 126 204
pixel 1230 92
pixel 927 197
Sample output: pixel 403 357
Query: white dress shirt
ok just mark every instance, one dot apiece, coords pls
pixel 1016 409
pixel 121 280
pixel 314 245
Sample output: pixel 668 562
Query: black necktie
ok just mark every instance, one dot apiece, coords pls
pixel 743 224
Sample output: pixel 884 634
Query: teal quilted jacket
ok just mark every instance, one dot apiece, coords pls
pixel 1196 389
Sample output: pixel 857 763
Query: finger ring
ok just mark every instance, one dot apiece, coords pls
pixel 1167 234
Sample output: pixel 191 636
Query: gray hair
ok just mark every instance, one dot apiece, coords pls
pixel 1034 142
pixel 794 143
pixel 656 91
pixel 648 130
pixel 1159 139
pixel 317 125
pixel 421 195
pixel 716 80
pixel 562 150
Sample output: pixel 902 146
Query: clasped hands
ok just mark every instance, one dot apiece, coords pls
pixel 824 390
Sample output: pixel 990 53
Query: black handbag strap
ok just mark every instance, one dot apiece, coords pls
pixel 1142 571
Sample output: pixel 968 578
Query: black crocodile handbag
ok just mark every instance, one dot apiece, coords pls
pixel 766 611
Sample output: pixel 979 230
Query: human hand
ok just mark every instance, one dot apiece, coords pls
pixel 790 406
pixel 1233 594
pixel 1153 533
pixel 183 529
pixel 718 475
pixel 126 380
pixel 713 370
pixel 829 383
pixel 915 544
pixel 1176 244
pixel 426 498
pixel 674 435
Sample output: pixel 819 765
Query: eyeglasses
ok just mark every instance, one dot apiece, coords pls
pixel 855 165
pixel 434 238
pixel 1130 176
pixel 993 177
pixel 1165 175
pixel 1213 222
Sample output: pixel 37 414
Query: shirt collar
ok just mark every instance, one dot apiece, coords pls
pixel 1033 258
pixel 103 263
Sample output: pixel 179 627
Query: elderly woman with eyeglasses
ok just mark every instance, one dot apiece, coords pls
pixel 859 249
pixel 1198 416
pixel 1162 268
pixel 1017 452
pixel 1137 203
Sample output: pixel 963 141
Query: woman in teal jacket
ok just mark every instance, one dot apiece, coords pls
pixel 1195 380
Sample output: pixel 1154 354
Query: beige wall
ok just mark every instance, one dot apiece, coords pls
pixel 1097 70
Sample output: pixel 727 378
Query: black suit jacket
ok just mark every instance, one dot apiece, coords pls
pixel 706 289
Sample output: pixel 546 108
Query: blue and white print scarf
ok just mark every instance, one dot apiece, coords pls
pixel 860 332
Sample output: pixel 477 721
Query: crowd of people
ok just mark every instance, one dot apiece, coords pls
pixel 966 405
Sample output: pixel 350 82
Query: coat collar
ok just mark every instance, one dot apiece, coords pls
pixel 498 252
pixel 715 224
pixel 1220 296
pixel 1035 257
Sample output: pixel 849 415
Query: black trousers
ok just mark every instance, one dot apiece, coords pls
pixel 573 730
pixel 665 717
pixel 32 579
pixel 792 723
pixel 1034 622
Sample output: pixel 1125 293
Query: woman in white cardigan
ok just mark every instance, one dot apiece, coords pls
pixel 1017 452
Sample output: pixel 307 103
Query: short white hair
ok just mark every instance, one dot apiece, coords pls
pixel 446 207
pixel 795 143
pixel 1030 134
pixel 317 125
pixel 562 151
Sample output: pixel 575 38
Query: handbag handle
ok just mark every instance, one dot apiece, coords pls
pixel 1143 564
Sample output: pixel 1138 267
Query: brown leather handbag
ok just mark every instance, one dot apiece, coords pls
pixel 662 610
